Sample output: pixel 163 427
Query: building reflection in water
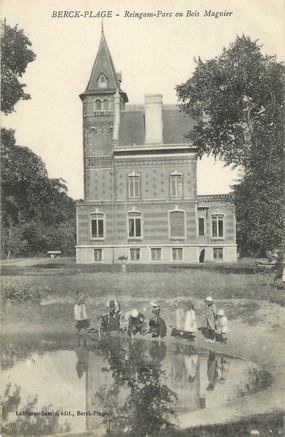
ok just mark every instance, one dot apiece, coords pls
pixel 137 384
pixel 130 386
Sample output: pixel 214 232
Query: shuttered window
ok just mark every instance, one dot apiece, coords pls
pixel 201 226
pixel 177 224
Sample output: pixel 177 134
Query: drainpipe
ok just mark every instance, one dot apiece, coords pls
pixel 115 138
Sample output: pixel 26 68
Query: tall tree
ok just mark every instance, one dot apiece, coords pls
pixel 15 56
pixel 37 213
pixel 237 100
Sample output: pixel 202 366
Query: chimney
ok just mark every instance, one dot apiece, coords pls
pixel 153 118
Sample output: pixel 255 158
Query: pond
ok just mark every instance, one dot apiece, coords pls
pixel 69 383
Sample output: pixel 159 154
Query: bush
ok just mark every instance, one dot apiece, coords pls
pixel 19 294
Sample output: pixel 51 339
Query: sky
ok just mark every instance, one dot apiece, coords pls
pixel 153 53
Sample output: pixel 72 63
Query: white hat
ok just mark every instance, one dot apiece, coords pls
pixel 134 313
pixel 209 299
pixel 221 313
pixel 154 303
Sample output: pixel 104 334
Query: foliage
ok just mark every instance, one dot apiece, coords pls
pixel 260 211
pixel 19 294
pixel 137 401
pixel 26 425
pixel 37 214
pixel 237 100
pixel 15 57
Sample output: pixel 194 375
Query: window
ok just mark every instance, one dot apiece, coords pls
pixel 156 254
pixel 102 81
pixel 98 105
pixel 201 226
pixel 135 254
pixel 106 105
pixel 97 226
pixel 177 254
pixel 177 224
pixel 135 228
pixel 218 253
pixel 134 186
pixel 98 255
pixel 217 226
pixel 176 185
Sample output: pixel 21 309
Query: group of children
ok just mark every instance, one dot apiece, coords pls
pixel 134 322
pixel 217 322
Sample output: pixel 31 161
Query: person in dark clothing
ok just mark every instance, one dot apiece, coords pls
pixel 157 326
pixel 114 316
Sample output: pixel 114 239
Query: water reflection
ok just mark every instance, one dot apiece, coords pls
pixel 137 401
pixel 133 385
pixel 29 420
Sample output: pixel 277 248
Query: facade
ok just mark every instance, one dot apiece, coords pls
pixel 140 182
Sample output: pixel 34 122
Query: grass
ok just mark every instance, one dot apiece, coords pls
pixel 194 283
pixel 45 293
pixel 266 425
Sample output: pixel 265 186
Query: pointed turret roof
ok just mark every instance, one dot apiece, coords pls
pixel 104 65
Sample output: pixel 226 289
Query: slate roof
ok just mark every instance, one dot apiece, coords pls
pixel 175 125
pixel 104 64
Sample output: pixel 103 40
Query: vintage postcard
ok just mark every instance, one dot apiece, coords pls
pixel 142 279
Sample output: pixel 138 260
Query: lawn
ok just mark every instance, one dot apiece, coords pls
pixel 50 287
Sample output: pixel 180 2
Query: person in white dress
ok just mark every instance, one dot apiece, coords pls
pixel 190 325
pixel 80 313
pixel 179 317
pixel 222 325
pixel 177 330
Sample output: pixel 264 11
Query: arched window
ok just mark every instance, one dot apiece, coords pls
pixel 98 105
pixel 102 81
pixel 106 105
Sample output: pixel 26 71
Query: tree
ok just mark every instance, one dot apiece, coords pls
pixel 37 213
pixel 237 101
pixel 15 56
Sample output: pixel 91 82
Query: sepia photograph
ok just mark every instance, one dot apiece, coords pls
pixel 142 218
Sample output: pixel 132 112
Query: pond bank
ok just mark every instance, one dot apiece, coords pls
pixel 256 335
